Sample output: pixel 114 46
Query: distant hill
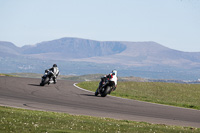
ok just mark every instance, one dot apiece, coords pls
pixel 83 56
pixel 70 48
pixel 8 49
pixel 143 54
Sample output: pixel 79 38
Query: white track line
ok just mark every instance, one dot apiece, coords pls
pixel 82 88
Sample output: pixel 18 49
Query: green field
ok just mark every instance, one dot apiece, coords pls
pixel 182 95
pixel 28 121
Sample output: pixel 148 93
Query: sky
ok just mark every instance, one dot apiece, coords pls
pixel 172 23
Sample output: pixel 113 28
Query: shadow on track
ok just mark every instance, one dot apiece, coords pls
pixel 34 85
pixel 90 95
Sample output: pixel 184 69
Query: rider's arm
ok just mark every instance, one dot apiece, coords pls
pixel 58 73
pixel 109 76
pixel 50 69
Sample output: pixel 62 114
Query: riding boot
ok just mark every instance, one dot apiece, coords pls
pixel 54 80
pixel 114 88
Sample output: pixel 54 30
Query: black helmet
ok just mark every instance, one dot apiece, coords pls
pixel 54 65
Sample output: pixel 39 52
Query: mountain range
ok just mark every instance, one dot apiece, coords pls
pixel 82 56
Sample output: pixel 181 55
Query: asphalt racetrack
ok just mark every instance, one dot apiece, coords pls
pixel 64 97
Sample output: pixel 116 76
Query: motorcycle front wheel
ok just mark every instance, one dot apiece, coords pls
pixel 44 81
pixel 105 92
pixel 96 92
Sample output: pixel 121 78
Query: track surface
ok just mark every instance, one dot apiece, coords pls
pixel 64 97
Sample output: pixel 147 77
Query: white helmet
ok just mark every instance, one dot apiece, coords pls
pixel 114 72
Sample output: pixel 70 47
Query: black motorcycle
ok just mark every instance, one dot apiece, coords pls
pixel 105 87
pixel 46 78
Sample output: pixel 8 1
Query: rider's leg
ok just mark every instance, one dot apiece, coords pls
pixel 54 80
pixel 113 86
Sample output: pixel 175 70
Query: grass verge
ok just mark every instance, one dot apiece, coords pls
pixel 28 121
pixel 1 74
pixel 182 95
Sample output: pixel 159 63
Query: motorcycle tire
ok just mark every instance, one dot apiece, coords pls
pixel 96 93
pixel 105 92
pixel 45 81
pixel 41 84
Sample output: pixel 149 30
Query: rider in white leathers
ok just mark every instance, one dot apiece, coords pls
pixel 54 71
pixel 113 77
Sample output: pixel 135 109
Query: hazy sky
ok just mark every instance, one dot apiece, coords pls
pixel 172 23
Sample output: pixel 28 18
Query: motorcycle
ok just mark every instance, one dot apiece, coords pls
pixel 105 87
pixel 46 78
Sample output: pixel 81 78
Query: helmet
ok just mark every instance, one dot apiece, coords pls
pixel 54 65
pixel 114 72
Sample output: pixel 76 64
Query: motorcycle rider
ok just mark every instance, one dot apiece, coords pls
pixel 112 79
pixel 53 72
